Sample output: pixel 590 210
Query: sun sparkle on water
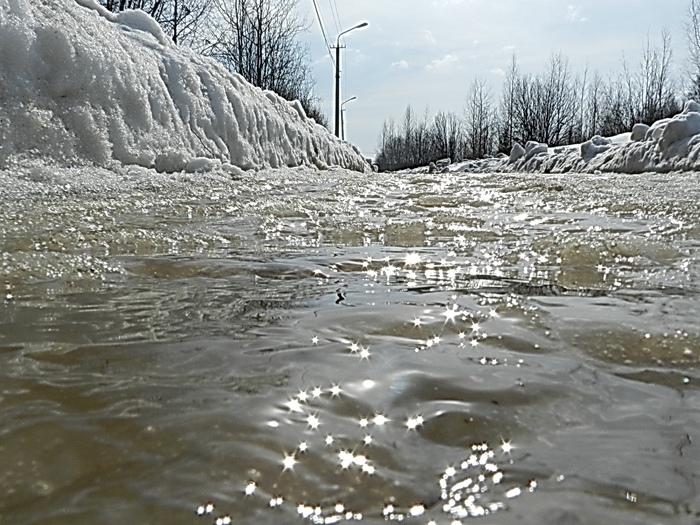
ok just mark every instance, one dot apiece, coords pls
pixel 335 391
pixel 289 461
pixel 468 488
pixel 412 259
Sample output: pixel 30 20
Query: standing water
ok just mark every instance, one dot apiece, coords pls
pixel 322 347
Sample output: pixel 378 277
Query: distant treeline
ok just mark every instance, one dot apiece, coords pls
pixel 556 107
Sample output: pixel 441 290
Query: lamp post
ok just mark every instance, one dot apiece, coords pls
pixel 337 75
pixel 342 116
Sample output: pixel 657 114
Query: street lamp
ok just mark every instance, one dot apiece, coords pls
pixel 342 115
pixel 337 75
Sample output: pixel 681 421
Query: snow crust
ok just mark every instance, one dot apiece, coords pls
pixel 80 85
pixel 668 145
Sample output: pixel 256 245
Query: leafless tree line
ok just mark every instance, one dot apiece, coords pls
pixel 257 39
pixel 556 107
pixel 418 140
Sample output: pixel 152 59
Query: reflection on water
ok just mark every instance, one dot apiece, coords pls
pixel 327 347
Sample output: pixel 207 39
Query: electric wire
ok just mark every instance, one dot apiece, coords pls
pixel 323 31
pixel 336 17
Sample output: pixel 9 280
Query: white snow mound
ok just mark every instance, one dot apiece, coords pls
pixel 671 144
pixel 81 85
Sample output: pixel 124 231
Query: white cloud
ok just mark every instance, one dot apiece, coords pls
pixel 498 72
pixel 429 36
pixel 324 59
pixel 573 13
pixel 401 64
pixel 445 64
pixel 357 56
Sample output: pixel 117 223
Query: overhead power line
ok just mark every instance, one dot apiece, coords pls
pixel 336 17
pixel 323 30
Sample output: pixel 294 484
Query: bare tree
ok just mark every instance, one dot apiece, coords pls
pixel 479 119
pixel 398 146
pixel 646 94
pixel 409 131
pixel 614 110
pixel 692 33
pixel 184 19
pixel 418 141
pixel 259 40
pixel 594 94
pixel 389 155
pixel 414 137
pixel 447 136
pixel 421 138
pixel 388 132
pixel 655 84
pixel 559 101
pixel 579 131
pixel 506 115
pixel 545 106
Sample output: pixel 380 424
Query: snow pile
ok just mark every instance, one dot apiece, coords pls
pixel 81 85
pixel 595 146
pixel 668 145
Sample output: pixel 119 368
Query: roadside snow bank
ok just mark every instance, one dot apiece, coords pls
pixel 668 145
pixel 81 85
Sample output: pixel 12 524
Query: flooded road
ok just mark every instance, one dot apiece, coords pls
pixel 326 347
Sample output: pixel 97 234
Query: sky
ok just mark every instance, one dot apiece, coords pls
pixel 426 53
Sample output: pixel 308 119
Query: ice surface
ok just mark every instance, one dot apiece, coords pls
pixel 81 85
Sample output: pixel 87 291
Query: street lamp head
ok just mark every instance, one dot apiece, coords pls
pixel 358 26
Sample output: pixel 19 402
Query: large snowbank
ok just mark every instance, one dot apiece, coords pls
pixel 81 85
pixel 668 145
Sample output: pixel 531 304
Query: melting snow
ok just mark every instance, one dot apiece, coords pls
pixel 81 85
pixel 667 145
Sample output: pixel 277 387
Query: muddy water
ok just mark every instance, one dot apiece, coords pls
pixel 326 347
